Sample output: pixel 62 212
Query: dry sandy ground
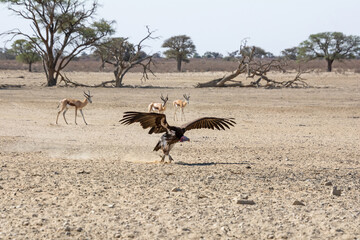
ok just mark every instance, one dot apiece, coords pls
pixel 102 181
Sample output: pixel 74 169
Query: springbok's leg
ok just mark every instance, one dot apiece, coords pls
pixel 62 109
pixel 182 114
pixel 57 118
pixel 83 116
pixel 75 115
pixel 175 116
pixel 64 114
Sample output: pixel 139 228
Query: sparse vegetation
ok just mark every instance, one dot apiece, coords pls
pixel 124 56
pixel 25 52
pixel 180 48
pixel 330 46
pixel 61 30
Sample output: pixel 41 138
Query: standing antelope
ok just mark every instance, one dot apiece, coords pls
pixel 181 104
pixel 159 107
pixel 78 104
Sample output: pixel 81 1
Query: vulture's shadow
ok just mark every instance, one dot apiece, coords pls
pixel 212 163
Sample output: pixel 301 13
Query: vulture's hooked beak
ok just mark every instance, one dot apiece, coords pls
pixel 184 139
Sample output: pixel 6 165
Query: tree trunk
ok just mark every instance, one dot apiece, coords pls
pixel 118 77
pixel 51 81
pixel 179 64
pixel 30 66
pixel 118 81
pixel 329 64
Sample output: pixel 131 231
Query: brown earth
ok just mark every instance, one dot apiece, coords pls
pixel 102 180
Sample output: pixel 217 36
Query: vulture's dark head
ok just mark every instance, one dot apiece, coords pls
pixel 184 139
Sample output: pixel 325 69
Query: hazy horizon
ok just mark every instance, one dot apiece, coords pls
pixel 219 26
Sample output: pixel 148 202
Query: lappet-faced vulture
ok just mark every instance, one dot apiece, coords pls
pixel 158 124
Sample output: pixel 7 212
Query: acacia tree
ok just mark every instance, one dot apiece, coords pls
pixel 290 53
pixel 180 48
pixel 123 55
pixel 25 52
pixel 215 55
pixel 61 30
pixel 6 53
pixel 330 46
pixel 258 52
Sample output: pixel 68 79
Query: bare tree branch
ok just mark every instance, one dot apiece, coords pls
pixel 257 69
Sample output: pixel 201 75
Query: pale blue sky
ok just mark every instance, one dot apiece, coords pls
pixel 220 25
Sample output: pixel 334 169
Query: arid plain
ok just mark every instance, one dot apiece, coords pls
pixel 103 181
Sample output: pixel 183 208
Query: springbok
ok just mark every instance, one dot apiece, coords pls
pixel 159 107
pixel 181 104
pixel 78 104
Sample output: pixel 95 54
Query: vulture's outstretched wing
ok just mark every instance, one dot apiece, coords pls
pixel 155 121
pixel 210 122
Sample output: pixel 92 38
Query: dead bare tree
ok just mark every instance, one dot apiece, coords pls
pixel 256 69
pixel 69 82
pixel 124 56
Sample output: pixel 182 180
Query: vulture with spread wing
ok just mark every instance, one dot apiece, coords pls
pixel 157 124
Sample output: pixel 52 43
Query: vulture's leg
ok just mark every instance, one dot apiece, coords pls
pixel 163 158
pixel 170 158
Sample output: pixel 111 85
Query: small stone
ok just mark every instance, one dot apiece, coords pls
pixel 111 205
pixel 39 223
pixel 298 203
pixel 248 167
pixel 67 233
pixel 67 229
pixel 26 223
pixel 117 235
pixel 225 229
pixel 335 191
pixel 328 184
pixel 202 196
pixel 176 189
pixel 244 196
pixel 270 236
pixel 79 229
pixel 284 236
pixel 210 178
pixel 1 188
pixel 245 202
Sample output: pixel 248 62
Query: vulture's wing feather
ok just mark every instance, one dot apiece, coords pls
pixel 155 121
pixel 210 122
